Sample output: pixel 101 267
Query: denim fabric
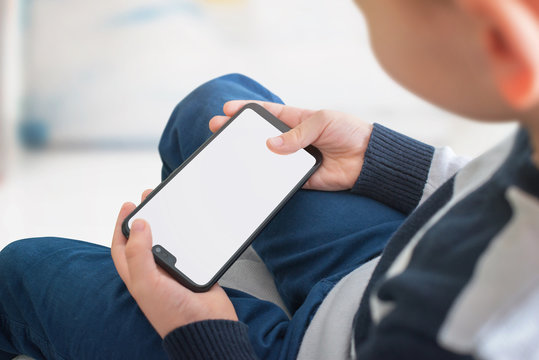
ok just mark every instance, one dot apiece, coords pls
pixel 63 299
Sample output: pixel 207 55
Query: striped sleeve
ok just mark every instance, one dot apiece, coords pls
pixel 210 339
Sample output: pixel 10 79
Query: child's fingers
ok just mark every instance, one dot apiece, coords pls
pixel 217 122
pixel 138 255
pixel 299 137
pixel 118 237
pixel 145 194
pixel 290 115
pixel 117 248
pixel 232 107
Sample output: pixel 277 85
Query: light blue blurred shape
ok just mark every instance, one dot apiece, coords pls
pixel 149 13
pixel 33 132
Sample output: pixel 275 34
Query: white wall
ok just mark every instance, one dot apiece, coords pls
pixel 3 148
pixel 10 80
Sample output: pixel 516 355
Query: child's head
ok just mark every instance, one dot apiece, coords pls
pixel 479 58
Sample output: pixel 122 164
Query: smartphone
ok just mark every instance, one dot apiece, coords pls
pixel 210 209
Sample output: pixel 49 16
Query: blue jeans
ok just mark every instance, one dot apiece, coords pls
pixel 62 298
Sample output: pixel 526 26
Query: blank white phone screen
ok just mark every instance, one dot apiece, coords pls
pixel 217 201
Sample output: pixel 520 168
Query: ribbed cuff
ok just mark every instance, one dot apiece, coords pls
pixel 210 339
pixel 395 169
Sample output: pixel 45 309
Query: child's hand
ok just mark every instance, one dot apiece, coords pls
pixel 340 137
pixel 167 304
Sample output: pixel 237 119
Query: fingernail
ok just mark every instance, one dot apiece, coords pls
pixel 138 225
pixel 276 141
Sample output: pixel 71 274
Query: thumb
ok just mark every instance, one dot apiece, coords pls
pixel 138 252
pixel 297 138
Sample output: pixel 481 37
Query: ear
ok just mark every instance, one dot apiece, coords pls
pixel 510 33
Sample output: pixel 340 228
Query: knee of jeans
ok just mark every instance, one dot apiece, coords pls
pixel 18 256
pixel 193 113
pixel 215 92
pixel 15 255
pixel 210 93
pixel 219 85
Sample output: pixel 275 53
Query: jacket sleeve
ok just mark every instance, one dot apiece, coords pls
pixel 402 172
pixel 210 339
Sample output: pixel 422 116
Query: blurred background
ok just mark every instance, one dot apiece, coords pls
pixel 86 88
